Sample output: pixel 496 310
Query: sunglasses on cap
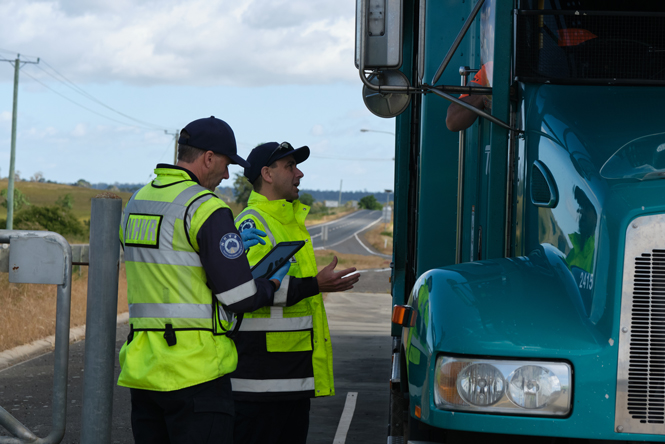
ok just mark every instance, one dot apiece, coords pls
pixel 283 147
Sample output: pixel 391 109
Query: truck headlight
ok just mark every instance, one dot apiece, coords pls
pixel 480 384
pixel 535 388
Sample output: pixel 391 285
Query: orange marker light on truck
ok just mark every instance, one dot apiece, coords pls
pixel 404 315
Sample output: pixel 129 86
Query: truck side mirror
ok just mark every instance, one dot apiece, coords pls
pixel 381 34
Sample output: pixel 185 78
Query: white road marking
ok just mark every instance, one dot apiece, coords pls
pixel 365 271
pixel 364 246
pixel 345 419
pixel 356 234
pixel 355 213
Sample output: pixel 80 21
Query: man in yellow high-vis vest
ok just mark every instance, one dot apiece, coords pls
pixel 284 351
pixel 187 273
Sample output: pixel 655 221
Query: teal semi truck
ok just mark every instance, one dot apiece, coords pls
pixel 529 249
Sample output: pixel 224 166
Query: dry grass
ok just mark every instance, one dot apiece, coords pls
pixel 324 257
pixel 28 310
pixel 381 242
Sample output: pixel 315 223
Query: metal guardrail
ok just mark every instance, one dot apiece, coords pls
pixel 44 257
pixel 80 256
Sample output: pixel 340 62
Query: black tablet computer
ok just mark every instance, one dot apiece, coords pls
pixel 276 258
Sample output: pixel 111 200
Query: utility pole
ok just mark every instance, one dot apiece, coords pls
pixel 339 202
pixel 12 157
pixel 175 148
pixel 387 211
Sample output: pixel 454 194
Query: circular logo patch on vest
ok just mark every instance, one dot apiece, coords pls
pixel 246 225
pixel 231 246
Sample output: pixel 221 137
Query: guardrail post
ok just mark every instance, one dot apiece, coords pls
pixel 98 379
pixel 43 257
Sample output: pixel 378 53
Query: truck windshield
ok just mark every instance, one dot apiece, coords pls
pixel 591 42
pixel 639 159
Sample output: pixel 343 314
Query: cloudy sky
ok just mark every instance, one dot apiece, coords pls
pixel 115 74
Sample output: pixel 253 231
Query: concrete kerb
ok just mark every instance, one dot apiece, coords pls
pixel 22 353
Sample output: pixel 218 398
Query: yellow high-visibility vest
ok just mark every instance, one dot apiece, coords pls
pixel 298 329
pixel 166 289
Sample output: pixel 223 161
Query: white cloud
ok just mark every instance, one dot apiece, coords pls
pixel 317 130
pixel 79 130
pixel 193 42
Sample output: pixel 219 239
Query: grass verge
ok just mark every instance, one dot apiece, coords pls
pixel 381 238
pixel 361 262
pixel 28 310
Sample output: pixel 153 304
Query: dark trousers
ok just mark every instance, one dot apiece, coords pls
pixel 280 422
pixel 202 414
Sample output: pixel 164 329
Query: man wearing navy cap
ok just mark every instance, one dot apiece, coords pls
pixel 284 351
pixel 187 273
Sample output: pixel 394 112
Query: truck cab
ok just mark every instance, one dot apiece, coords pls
pixel 529 248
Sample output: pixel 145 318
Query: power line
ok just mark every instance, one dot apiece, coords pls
pixel 14 52
pixel 170 147
pixel 89 96
pixel 83 106
pixel 141 124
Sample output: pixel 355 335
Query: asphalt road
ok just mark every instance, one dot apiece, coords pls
pixel 344 235
pixel 360 329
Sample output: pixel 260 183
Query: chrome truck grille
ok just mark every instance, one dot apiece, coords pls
pixel 640 401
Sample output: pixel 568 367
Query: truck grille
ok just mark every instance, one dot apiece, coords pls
pixel 640 404
pixel 646 370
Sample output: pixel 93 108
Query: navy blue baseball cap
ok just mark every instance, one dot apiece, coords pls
pixel 212 134
pixel 268 153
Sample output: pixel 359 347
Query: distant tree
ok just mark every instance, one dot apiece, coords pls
pixel 20 200
pixel 369 203
pixel 37 177
pixel 83 183
pixel 307 199
pixel 51 218
pixel 241 188
pixel 222 194
pixel 66 201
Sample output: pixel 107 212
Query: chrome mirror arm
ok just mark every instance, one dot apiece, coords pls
pixel 473 109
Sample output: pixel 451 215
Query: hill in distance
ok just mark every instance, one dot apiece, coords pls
pixel 42 193
pixel 318 195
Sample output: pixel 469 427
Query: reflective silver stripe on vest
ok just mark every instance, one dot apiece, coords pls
pixel 227 316
pixel 171 211
pixel 276 312
pixel 261 219
pixel 279 324
pixel 237 294
pixel 188 193
pixel 280 295
pixel 193 311
pixel 195 206
pixel 152 256
pixel 272 385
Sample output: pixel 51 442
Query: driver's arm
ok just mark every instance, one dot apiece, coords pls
pixel 460 118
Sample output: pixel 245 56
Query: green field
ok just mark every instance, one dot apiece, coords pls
pixel 48 193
